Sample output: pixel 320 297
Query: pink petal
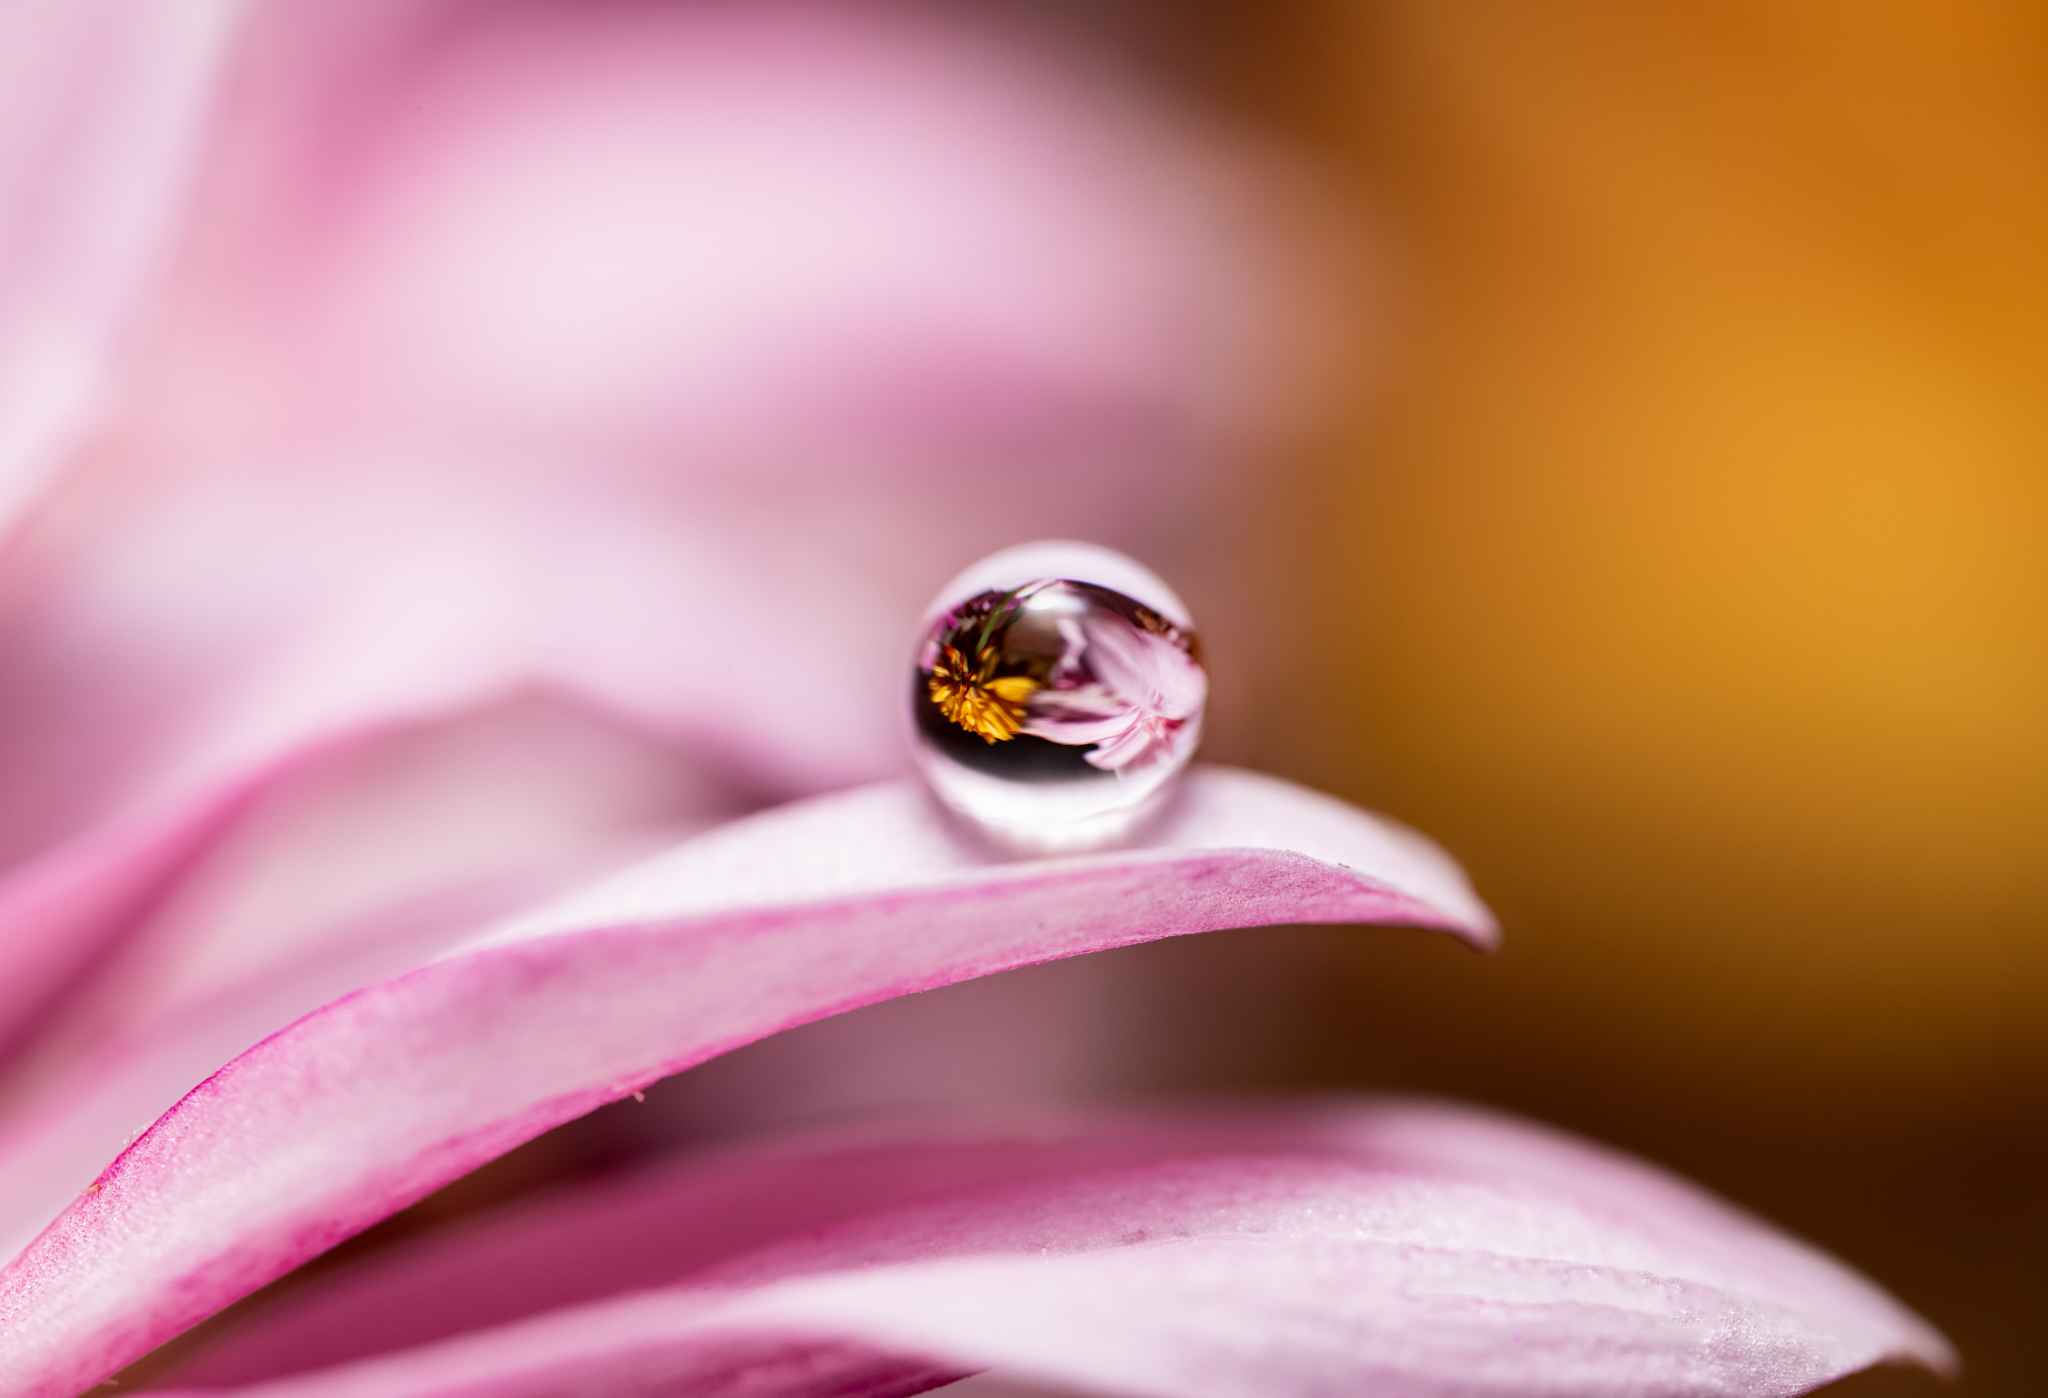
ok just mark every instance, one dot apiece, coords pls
pixel 171 658
pixel 1149 671
pixel 1124 749
pixel 548 221
pixel 1095 717
pixel 1393 1248
pixel 526 793
pixel 101 105
pixel 368 1103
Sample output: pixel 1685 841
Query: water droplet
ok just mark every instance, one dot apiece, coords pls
pixel 1056 689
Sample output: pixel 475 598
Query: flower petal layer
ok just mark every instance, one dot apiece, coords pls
pixel 1385 1247
pixel 528 794
pixel 104 105
pixel 372 1101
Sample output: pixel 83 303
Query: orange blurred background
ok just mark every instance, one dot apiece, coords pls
pixel 1680 568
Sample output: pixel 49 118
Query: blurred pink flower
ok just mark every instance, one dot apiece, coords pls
pixel 419 420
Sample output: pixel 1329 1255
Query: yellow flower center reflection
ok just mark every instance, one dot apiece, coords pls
pixel 975 698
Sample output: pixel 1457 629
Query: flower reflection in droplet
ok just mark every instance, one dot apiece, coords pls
pixel 1058 688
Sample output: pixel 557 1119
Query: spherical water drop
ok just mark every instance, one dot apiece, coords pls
pixel 1056 689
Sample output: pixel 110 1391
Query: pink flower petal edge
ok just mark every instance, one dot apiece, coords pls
pixel 1398 1248
pixel 367 1104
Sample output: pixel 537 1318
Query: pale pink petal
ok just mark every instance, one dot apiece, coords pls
pixel 1400 1249
pixel 60 914
pixel 1150 672
pixel 528 793
pixel 1183 686
pixel 102 103
pixel 370 1102
pixel 1138 744
pixel 1078 717
pixel 170 659
pixel 626 224
pixel 359 865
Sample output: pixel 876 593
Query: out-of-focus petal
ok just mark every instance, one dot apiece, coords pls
pixel 172 660
pixel 368 1103
pixel 101 106
pixel 626 225
pixel 1400 1249
pixel 524 794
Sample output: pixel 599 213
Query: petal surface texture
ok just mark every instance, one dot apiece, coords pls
pixel 1395 1248
pixel 366 1104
